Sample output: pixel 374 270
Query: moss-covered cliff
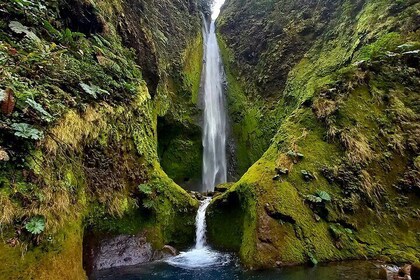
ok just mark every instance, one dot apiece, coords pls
pixel 82 84
pixel 339 179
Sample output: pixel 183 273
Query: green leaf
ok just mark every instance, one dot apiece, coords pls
pixel 312 258
pixel 313 198
pixel 323 195
pixel 19 28
pixel 23 3
pixel 93 90
pixel 146 189
pixel 38 107
pixel 36 225
pixel 26 131
pixel 51 30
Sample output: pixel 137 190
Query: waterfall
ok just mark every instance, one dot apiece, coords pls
pixel 201 255
pixel 214 150
pixel 200 223
pixel 214 132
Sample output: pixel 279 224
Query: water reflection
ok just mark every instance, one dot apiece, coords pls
pixel 354 270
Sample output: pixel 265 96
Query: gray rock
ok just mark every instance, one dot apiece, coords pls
pixel 123 250
pixel 168 249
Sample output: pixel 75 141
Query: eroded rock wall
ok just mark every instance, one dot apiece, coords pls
pixel 338 179
pixel 84 83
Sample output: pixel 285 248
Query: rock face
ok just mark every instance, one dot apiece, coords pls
pixel 337 82
pixel 123 250
pixel 87 84
pixel 415 271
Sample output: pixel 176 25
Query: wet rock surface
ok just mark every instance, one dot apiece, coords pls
pixel 123 250
pixel 393 272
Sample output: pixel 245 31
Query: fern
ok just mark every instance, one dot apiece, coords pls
pixel 146 189
pixel 148 204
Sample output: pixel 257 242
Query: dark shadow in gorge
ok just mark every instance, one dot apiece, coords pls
pixel 180 152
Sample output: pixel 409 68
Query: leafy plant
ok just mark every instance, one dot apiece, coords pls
pixel 66 37
pixel 148 203
pixel 19 28
pixel 26 131
pixel 146 189
pixel 69 38
pixel 320 196
pixel 23 3
pixel 38 107
pixel 93 90
pixel 36 225
pixel 51 30
pixel 313 198
pixel 323 195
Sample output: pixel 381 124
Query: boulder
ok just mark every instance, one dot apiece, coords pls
pixel 123 250
pixel 405 270
pixel 415 271
pixel 168 249
pixel 388 272
pixel 223 187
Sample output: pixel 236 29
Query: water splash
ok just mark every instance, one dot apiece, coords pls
pixel 201 255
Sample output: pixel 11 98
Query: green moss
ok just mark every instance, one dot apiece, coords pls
pixel 100 144
pixel 59 258
pixel 253 124
pixel 387 42
pixel 339 113
pixel 193 66
pixel 225 223
pixel 180 151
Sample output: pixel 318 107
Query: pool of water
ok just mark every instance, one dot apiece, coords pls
pixel 357 270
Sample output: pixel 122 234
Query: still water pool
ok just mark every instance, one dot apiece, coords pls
pixel 354 270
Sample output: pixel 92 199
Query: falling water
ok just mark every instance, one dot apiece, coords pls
pixel 214 151
pixel 200 223
pixel 214 134
pixel 201 255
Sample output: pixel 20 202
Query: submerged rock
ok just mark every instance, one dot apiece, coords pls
pixel 166 252
pixel 387 272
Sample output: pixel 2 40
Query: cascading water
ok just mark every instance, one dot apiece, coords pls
pixel 214 150
pixel 214 132
pixel 200 223
pixel 214 136
pixel 201 255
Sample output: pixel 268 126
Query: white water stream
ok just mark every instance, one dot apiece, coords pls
pixel 201 255
pixel 214 150
pixel 214 133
